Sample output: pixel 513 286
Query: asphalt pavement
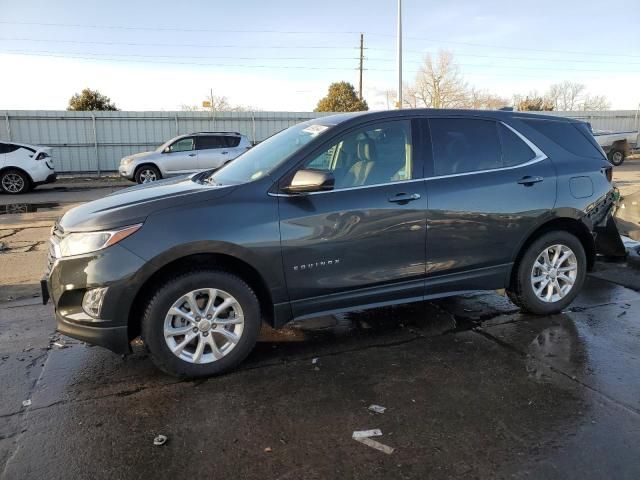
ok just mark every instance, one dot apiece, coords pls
pixel 471 387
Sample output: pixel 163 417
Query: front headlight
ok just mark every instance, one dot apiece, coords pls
pixel 126 161
pixel 87 242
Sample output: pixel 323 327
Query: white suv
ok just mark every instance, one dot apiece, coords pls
pixel 23 167
pixel 184 154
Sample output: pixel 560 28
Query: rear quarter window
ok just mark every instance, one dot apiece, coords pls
pixel 566 135
pixel 232 141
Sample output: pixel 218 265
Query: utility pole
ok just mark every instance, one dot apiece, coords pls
pixel 399 54
pixel 361 62
pixel 211 97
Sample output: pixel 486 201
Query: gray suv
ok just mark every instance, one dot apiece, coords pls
pixel 343 212
pixel 184 154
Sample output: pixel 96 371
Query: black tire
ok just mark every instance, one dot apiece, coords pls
pixel 158 307
pixel 521 291
pixel 14 182
pixel 146 172
pixel 616 157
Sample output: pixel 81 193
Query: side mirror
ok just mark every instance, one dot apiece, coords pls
pixel 305 181
pixel 166 150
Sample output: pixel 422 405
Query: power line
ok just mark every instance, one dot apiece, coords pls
pixel 307 32
pixel 114 57
pixel 175 29
pixel 190 45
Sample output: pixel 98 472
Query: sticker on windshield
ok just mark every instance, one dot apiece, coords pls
pixel 315 129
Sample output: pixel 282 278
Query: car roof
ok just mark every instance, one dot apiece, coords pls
pixel 337 119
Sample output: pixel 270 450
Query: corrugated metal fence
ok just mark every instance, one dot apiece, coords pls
pixel 96 141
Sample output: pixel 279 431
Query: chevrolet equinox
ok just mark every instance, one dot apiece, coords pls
pixel 343 212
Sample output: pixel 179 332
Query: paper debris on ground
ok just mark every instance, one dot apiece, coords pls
pixel 364 437
pixel 375 432
pixel 314 361
pixel 374 444
pixel 26 403
pixel 160 440
pixel 377 408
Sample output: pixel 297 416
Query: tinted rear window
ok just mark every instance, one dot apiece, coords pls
pixel 514 150
pixel 464 145
pixel 566 135
pixel 232 141
pixel 207 142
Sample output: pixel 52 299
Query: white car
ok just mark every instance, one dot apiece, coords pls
pixel 23 167
pixel 184 154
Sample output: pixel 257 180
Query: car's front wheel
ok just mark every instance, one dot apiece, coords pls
pixel 201 323
pixel 550 274
pixel 147 174
pixel 14 182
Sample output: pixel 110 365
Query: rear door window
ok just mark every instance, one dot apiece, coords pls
pixel 208 142
pixel 462 145
pixel 514 150
pixel 566 135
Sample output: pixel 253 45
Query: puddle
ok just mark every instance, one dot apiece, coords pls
pixel 20 208
pixel 627 215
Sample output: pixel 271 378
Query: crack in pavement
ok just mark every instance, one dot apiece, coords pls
pixel 559 371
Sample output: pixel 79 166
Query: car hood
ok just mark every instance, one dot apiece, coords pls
pixel 132 205
pixel 137 156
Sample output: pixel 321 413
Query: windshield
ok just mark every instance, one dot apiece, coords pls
pixel 165 145
pixel 266 156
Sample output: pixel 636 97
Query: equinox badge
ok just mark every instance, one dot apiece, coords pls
pixel 322 263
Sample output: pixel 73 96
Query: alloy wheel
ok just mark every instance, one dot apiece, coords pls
pixel 203 325
pixel 554 273
pixel 13 183
pixel 147 176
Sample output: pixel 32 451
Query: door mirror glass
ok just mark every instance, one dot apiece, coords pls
pixel 305 181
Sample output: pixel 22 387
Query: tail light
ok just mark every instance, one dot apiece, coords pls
pixel 608 172
pixel 42 156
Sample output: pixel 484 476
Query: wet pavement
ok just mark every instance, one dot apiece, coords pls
pixel 472 389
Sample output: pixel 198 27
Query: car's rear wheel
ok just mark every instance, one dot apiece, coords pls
pixel 14 182
pixel 201 323
pixel 616 157
pixel 147 174
pixel 550 274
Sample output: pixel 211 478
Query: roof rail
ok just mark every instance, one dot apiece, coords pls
pixel 225 133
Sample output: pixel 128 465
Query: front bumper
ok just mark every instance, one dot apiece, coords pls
pixel 68 279
pixel 127 171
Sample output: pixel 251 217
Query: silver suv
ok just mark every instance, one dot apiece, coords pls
pixel 184 154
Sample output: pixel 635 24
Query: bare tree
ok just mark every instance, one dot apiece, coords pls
pixel 219 104
pixel 438 84
pixel 481 99
pixel 595 102
pixel 571 96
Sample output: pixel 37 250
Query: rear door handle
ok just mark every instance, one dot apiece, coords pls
pixel 192 154
pixel 529 180
pixel 404 197
pixel 225 153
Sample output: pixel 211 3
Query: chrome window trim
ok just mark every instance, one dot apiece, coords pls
pixel 539 157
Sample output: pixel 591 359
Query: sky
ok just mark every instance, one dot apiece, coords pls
pixel 281 55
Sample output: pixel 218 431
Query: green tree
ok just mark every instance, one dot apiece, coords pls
pixel 341 98
pixel 90 100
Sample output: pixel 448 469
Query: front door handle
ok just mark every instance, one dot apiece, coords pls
pixel 192 154
pixel 404 197
pixel 225 153
pixel 529 180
